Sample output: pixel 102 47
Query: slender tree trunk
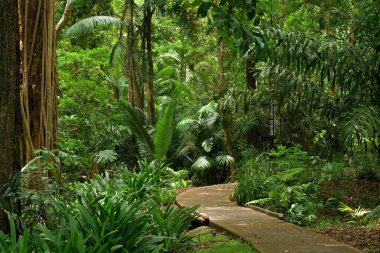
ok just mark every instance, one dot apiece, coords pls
pixel 150 93
pixel 227 123
pixel 135 94
pixel 226 117
pixel 39 87
pixel 222 75
pixel 250 77
pixel 65 17
pixel 10 117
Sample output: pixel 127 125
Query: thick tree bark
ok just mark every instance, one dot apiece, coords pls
pixel 39 87
pixel 10 118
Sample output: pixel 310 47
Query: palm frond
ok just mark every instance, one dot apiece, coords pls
pixel 115 52
pixel 185 122
pixel 104 157
pixel 224 160
pixel 136 124
pixel 89 24
pixel 164 132
pixel 208 109
pixel 70 2
pixel 362 123
pixel 202 163
pixel 172 55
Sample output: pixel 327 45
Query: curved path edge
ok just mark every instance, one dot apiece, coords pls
pixel 265 233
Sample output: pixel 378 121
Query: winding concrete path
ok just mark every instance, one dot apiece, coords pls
pixel 265 233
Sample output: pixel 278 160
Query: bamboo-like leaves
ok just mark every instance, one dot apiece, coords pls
pixel 362 126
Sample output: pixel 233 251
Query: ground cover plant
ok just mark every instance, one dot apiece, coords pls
pixel 220 243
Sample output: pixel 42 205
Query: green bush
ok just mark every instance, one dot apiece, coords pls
pixel 124 214
pixel 284 180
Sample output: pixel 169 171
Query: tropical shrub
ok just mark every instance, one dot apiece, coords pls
pixel 131 213
pixel 283 180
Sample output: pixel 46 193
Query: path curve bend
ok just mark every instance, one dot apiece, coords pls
pixel 265 233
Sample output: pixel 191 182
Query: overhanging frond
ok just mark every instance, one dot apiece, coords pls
pixel 89 24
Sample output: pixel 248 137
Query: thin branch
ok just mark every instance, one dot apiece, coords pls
pixel 65 17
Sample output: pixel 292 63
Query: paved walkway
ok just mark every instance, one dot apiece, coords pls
pixel 265 233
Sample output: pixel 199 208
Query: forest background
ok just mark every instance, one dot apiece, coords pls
pixel 281 96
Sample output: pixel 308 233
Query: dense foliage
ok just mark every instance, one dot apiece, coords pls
pixel 131 213
pixel 282 97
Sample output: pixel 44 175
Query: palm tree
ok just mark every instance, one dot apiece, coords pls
pixel 152 148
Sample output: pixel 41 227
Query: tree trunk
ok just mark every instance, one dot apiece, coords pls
pixel 227 122
pixel 150 94
pixel 39 87
pixel 135 94
pixel 10 118
pixel 250 77
pixel 222 75
pixel 65 17
pixel 226 117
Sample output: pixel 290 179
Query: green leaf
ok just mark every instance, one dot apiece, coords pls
pixel 244 46
pixel 135 124
pixel 202 163
pixel 207 144
pixel 203 9
pixel 104 157
pixel 164 132
pixel 224 160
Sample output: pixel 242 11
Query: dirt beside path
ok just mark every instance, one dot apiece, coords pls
pixel 358 237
